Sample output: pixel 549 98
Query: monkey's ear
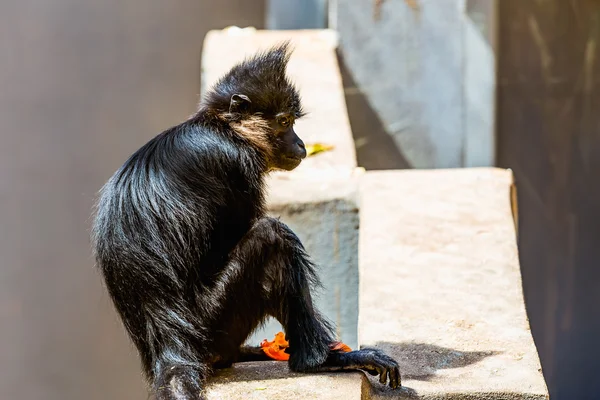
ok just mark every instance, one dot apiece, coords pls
pixel 239 103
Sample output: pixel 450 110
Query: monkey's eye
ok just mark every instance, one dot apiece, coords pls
pixel 285 121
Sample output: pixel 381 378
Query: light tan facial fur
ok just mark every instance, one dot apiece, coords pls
pixel 257 132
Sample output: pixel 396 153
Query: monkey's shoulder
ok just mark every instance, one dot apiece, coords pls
pixel 192 156
pixel 187 146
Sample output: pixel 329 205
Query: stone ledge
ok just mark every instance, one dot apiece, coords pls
pixel 312 186
pixel 440 285
pixel 440 290
pixel 273 381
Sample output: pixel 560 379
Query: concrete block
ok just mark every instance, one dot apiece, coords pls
pixel 314 69
pixel 273 381
pixel 294 14
pixel 428 69
pixel 479 92
pixel 409 64
pixel 440 285
pixel 321 208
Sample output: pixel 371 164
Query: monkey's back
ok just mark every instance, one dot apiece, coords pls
pixel 176 207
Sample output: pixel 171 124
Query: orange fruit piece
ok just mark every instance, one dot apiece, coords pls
pixel 275 349
pixel 340 346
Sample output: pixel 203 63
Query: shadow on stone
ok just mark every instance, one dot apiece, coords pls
pixel 375 148
pixel 418 361
pixel 254 371
pixel 421 361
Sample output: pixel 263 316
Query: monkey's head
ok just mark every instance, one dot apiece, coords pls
pixel 261 105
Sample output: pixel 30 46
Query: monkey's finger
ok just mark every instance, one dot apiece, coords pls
pixel 382 373
pixel 383 377
pixel 395 378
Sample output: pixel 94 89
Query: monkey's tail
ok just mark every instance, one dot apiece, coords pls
pixel 180 382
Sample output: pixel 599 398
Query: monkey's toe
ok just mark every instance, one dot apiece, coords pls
pixel 386 367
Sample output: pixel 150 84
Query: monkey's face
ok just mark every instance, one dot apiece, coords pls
pixel 260 103
pixel 288 148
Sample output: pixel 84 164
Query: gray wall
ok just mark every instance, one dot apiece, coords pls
pixel 427 69
pixel 82 85
pixel 296 14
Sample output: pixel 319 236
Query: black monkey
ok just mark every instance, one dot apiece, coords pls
pixel 188 255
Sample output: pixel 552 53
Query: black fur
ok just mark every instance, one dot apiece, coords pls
pixel 188 256
pixel 263 79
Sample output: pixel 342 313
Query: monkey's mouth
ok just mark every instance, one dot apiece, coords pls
pixel 291 162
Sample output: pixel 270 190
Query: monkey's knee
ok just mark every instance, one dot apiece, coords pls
pixel 271 232
pixel 277 230
pixel 268 225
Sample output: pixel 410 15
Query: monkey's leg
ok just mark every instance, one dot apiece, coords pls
pixel 252 353
pixel 245 354
pixel 308 333
pixel 373 361
pixel 268 274
pixel 289 277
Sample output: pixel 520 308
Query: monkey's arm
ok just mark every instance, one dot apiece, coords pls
pixel 252 353
pixel 245 354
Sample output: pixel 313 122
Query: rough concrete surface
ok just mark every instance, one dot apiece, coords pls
pixel 273 381
pixel 409 64
pixel 437 99
pixel 440 285
pixel 313 67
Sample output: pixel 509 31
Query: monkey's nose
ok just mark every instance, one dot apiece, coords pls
pixel 301 149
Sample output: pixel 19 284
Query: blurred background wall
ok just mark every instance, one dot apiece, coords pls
pixel 510 83
pixel 548 132
pixel 428 69
pixel 429 83
pixel 82 85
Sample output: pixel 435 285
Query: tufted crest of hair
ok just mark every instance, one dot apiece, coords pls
pixel 263 79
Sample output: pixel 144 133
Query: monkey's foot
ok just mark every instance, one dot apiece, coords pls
pixel 373 361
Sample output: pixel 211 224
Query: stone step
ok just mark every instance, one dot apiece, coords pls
pixel 272 380
pixel 440 290
pixel 440 284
